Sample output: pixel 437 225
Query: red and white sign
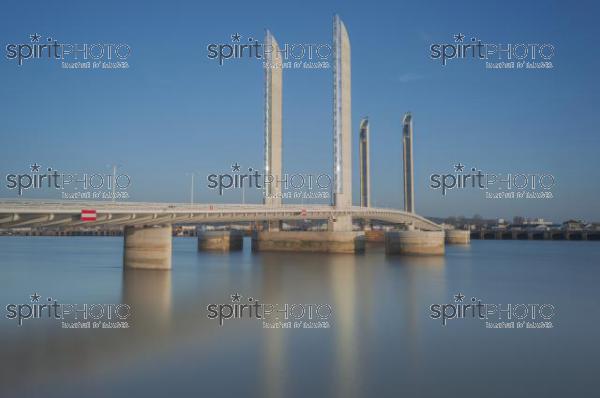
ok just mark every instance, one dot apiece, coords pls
pixel 88 215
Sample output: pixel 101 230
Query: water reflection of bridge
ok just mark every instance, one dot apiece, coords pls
pixel 169 319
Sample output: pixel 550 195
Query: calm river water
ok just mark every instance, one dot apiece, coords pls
pixel 381 340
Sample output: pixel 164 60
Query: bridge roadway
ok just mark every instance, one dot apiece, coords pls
pixel 67 214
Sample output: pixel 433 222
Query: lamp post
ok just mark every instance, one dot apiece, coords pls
pixel 114 179
pixel 193 174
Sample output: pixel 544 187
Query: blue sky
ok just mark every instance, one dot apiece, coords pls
pixel 175 111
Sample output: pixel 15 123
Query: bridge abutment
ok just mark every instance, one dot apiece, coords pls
pixel 414 242
pixel 220 240
pixel 457 237
pixel 147 247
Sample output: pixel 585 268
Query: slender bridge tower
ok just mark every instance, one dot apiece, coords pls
pixel 342 129
pixel 273 125
pixel 273 121
pixel 407 139
pixel 365 181
pixel 364 169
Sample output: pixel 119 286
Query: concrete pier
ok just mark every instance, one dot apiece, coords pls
pixel 220 240
pixel 309 241
pixel 375 235
pixel 414 242
pixel 457 237
pixel 147 247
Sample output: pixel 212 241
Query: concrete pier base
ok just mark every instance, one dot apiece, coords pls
pixel 309 241
pixel 375 235
pixel 414 242
pixel 457 237
pixel 147 247
pixel 220 240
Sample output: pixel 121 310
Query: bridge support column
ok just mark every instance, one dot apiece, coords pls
pixel 414 242
pixel 340 224
pixel 147 247
pixel 309 241
pixel 457 237
pixel 220 240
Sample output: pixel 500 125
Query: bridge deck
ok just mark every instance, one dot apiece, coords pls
pixel 42 213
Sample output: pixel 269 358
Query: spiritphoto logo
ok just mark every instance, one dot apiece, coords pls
pixel 496 185
pixel 98 55
pixel 293 55
pixel 273 316
pixel 292 186
pixel 495 55
pixel 495 315
pixel 71 316
pixel 71 185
